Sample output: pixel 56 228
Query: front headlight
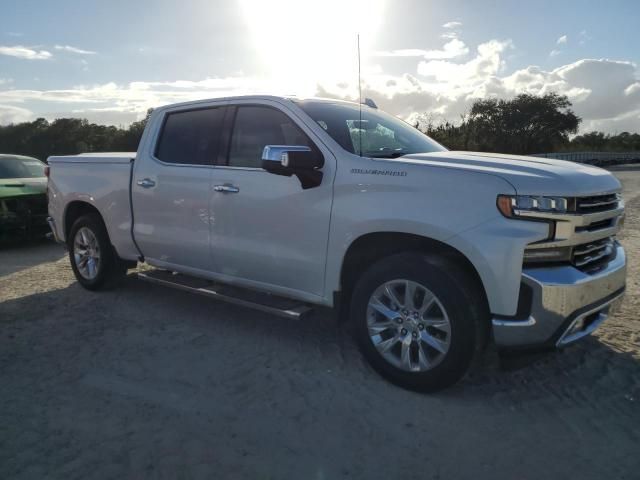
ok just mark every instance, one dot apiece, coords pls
pixel 518 206
pixel 511 205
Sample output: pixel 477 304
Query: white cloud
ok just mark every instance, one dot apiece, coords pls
pixel 24 52
pixel 405 52
pixel 629 122
pixel 605 93
pixel 487 62
pixel 453 48
pixel 111 101
pixel 610 84
pixel 79 51
pixel 449 35
pixel 632 90
pixel 452 25
pixel 12 114
pixel 583 38
pixel 560 42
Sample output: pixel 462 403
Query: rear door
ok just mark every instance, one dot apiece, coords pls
pixel 171 188
pixel 266 230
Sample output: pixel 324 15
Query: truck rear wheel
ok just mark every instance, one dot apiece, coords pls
pixel 93 259
pixel 415 318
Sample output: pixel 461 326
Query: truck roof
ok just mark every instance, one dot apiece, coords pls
pixel 277 98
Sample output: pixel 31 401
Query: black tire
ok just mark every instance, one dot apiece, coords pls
pixel 110 268
pixel 459 296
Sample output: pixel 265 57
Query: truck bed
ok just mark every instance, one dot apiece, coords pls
pixel 102 180
pixel 101 157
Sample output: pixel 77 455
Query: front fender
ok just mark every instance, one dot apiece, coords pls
pixel 496 249
pixel 455 207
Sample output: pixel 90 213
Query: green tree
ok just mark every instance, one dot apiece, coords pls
pixel 523 125
pixel 68 136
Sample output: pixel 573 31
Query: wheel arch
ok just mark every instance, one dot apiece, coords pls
pixel 371 247
pixel 74 210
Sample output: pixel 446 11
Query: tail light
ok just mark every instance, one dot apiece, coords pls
pixel 46 171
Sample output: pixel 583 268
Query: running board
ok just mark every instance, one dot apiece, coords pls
pixel 280 306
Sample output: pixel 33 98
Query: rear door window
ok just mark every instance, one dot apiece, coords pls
pixel 191 137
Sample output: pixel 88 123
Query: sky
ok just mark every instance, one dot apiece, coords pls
pixel 111 61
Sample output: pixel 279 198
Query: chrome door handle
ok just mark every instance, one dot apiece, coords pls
pixel 146 183
pixel 226 188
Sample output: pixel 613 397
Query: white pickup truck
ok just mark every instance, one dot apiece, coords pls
pixel 283 203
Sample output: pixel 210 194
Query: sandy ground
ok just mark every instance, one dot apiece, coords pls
pixel 147 382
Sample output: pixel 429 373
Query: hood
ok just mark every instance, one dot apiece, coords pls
pixel 528 175
pixel 16 187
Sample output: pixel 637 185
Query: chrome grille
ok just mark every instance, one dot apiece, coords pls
pixel 591 256
pixel 597 203
pixel 592 227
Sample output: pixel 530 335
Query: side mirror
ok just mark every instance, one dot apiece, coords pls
pixel 298 160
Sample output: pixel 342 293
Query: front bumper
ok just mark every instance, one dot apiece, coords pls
pixel 561 304
pixel 23 217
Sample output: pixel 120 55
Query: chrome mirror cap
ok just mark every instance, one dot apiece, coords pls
pixel 280 153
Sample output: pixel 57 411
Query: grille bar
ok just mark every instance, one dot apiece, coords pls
pixel 597 203
pixel 588 255
pixel 593 258
pixel 583 250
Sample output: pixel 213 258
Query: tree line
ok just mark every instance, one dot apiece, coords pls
pixel 523 125
pixel 68 136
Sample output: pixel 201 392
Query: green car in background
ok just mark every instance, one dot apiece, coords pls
pixel 23 198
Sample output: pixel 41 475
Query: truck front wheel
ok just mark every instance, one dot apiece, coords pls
pixel 415 319
pixel 93 259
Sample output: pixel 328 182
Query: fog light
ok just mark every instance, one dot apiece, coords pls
pixel 536 255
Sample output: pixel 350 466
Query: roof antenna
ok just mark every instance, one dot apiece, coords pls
pixel 359 99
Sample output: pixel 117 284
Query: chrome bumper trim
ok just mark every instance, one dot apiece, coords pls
pixel 52 226
pixel 603 310
pixel 558 294
pixel 514 323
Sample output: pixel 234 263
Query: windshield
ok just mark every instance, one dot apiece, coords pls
pixel 21 167
pixel 377 135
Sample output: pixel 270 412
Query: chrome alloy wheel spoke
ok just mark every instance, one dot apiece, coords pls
pixel 408 325
pixel 86 253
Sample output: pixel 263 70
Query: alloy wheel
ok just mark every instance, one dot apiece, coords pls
pixel 408 325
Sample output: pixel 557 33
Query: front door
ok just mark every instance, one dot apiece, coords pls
pixel 171 189
pixel 267 230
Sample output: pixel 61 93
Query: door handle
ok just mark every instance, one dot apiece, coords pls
pixel 226 188
pixel 146 183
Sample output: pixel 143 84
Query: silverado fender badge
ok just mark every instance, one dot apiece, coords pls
pixel 372 171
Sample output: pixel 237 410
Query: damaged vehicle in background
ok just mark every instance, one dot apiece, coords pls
pixel 23 198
